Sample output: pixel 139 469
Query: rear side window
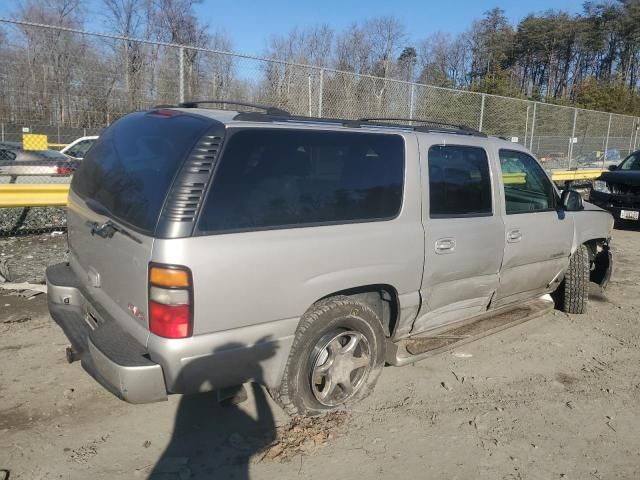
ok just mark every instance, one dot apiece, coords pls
pixel 80 149
pixel 459 182
pixel 129 169
pixel 277 178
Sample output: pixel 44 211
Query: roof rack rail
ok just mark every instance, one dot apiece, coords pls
pixel 261 117
pixel 267 109
pixel 424 120
pixel 274 115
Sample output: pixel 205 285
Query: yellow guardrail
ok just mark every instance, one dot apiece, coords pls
pixel 556 176
pixel 55 194
pixel 573 175
pixel 34 195
pixel 514 178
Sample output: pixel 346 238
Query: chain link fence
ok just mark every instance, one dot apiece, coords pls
pixel 67 84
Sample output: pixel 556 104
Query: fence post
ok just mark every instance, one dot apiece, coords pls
pixel 321 92
pixel 2 130
pixel 633 129
pixel 309 93
pixel 181 92
pixel 412 101
pixel 635 142
pixel 526 125
pixel 59 134
pixel 606 142
pixel 573 135
pixel 533 126
pixel 481 113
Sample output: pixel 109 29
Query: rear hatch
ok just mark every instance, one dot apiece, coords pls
pixel 116 199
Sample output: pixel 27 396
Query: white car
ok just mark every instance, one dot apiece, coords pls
pixel 79 147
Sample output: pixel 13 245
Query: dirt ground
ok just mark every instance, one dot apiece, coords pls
pixel 555 397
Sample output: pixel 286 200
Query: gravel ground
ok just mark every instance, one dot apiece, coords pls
pixel 554 398
pixel 31 220
pixel 24 258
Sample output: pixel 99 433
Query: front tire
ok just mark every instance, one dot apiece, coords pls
pixel 573 293
pixel 336 358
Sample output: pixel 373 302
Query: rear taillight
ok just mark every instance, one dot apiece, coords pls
pixel 170 301
pixel 64 170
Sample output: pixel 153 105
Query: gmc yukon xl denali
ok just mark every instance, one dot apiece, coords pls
pixel 210 248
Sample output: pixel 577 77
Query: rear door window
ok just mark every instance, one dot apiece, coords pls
pixel 271 178
pixel 459 182
pixel 130 168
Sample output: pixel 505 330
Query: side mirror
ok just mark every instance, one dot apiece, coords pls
pixel 571 201
pixel 613 167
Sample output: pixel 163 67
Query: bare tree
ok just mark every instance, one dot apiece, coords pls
pixel 387 36
pixel 128 18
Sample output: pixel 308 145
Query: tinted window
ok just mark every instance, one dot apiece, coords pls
pixel 7 156
pixel 131 166
pixel 79 149
pixel 632 162
pixel 273 178
pixel 459 181
pixel 526 187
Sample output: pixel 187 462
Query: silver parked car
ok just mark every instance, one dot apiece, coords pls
pixel 16 162
pixel 210 248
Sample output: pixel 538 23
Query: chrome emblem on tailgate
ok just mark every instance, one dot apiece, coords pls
pixel 93 277
pixel 136 312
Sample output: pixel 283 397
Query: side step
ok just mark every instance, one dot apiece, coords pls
pixel 432 343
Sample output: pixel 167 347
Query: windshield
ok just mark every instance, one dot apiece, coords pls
pixel 632 162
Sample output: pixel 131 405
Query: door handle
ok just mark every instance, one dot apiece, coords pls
pixel 514 236
pixel 445 245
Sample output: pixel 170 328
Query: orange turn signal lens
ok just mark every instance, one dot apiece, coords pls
pixel 169 277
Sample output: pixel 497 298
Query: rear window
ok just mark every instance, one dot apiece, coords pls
pixel 131 166
pixel 277 178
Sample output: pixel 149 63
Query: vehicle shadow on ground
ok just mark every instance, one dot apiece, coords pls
pixel 215 438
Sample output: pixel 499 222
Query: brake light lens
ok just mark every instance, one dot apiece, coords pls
pixel 64 170
pixel 170 301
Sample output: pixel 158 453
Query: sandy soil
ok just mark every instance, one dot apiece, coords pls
pixel 556 397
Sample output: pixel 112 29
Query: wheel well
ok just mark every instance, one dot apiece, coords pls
pixel 382 299
pixel 599 261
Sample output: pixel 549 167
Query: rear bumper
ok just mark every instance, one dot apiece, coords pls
pixel 108 353
pixel 144 374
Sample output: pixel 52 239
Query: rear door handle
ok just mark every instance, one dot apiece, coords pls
pixel 514 236
pixel 445 245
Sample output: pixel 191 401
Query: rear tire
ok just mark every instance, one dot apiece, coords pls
pixel 573 293
pixel 336 358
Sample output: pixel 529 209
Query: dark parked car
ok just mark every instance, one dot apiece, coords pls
pixel 619 189
pixel 15 162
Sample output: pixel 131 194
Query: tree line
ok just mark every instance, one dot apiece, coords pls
pixel 590 59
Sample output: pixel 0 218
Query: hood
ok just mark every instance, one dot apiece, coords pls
pixel 628 177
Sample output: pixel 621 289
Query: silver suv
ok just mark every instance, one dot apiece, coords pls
pixel 209 248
